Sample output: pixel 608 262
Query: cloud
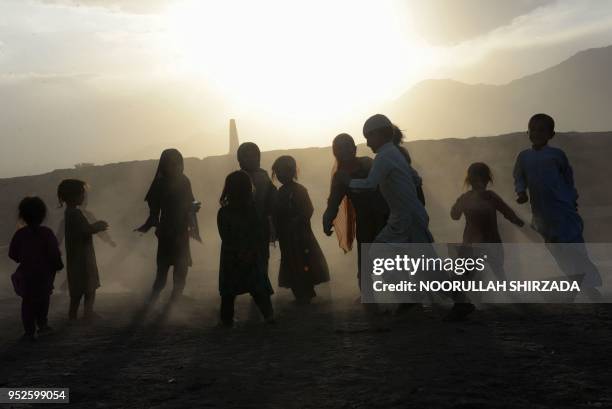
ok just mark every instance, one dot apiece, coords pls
pixel 529 43
pixel 126 6
pixel 448 22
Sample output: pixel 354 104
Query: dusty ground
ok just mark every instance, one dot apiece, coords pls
pixel 327 355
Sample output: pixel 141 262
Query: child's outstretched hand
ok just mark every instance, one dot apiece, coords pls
pixel 100 225
pixel 146 226
pixel 522 198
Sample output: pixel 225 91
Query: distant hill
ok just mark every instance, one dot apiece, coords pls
pixel 117 192
pixel 577 93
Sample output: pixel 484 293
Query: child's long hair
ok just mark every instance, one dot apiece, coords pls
pixel 478 172
pixel 71 192
pixel 238 190
pixel 394 134
pixel 398 139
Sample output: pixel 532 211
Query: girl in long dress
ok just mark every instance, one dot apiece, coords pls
pixel 172 211
pixel 243 267
pixel 303 264
pixel 352 215
pixel 81 265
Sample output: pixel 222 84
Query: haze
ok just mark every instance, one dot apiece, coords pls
pixel 105 81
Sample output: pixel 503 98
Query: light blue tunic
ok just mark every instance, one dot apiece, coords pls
pixel 547 175
pixel 408 220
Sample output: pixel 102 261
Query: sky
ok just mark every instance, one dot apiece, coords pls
pixel 113 80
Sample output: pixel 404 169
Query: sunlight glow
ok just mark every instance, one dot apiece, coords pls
pixel 294 60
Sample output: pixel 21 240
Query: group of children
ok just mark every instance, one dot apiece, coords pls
pixel 378 200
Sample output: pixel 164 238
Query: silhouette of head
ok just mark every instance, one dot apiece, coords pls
pixel 32 210
pixel 71 192
pixel 378 130
pixel 541 129
pixel 479 175
pixel 171 164
pixel 249 156
pixel 344 148
pixel 284 169
pixel 238 189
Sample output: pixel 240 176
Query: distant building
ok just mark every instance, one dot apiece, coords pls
pixel 233 138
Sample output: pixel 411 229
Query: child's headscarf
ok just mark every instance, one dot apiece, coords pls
pixel 167 157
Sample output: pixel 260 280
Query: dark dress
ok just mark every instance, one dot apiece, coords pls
pixel 243 265
pixel 81 266
pixel 302 263
pixel 371 209
pixel 170 203
pixel 265 197
pixel 37 251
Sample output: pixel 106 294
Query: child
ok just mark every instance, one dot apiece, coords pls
pixel 545 172
pixel 353 216
pixel 243 264
pixel 391 171
pixel 249 158
pixel 302 262
pixel 172 209
pixel 36 250
pixel 91 218
pixel 480 207
pixel 81 266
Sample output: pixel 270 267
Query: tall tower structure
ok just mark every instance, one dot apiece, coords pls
pixel 233 138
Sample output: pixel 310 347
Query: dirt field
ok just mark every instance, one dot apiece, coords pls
pixel 326 355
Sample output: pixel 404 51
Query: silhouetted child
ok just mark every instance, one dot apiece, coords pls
pixel 243 267
pixel 172 209
pixel 352 215
pixel 302 263
pixel 480 207
pixel 249 158
pixel 91 218
pixel 546 173
pixel 81 266
pixel 36 250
